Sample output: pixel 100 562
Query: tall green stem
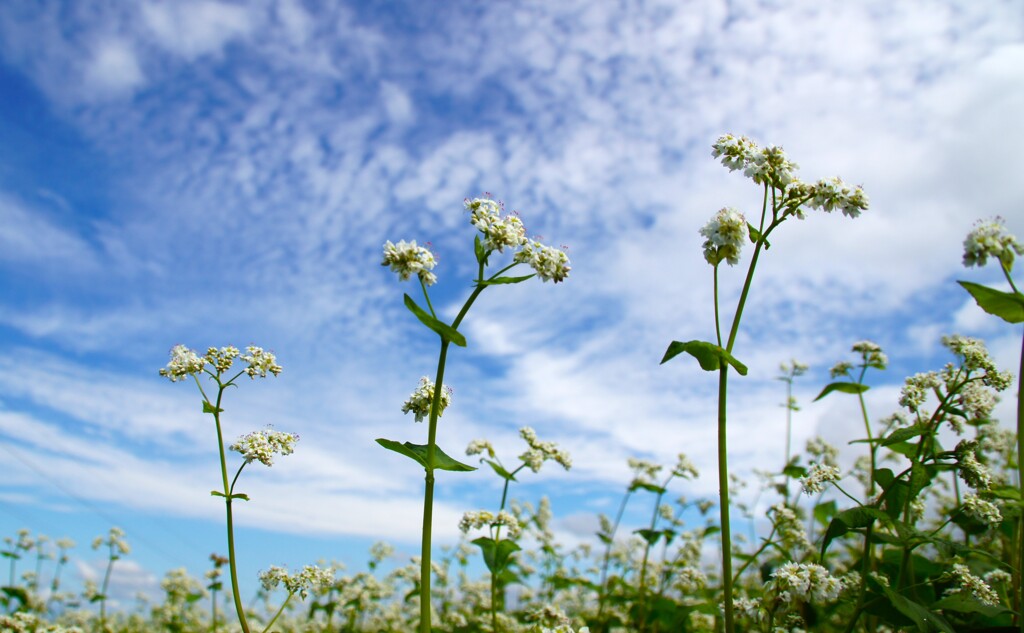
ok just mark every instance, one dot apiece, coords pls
pixel 428 494
pixel 723 495
pixel 1019 585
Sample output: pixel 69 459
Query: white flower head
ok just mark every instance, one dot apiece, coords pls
pixel 832 193
pixel 817 476
pixel 991 239
pixel 968 583
pixel 550 263
pixel 981 509
pixel 420 400
pixel 724 234
pixel 408 259
pixel 311 577
pixel 261 446
pixel 499 232
pixel 260 362
pixel 539 452
pixel 184 362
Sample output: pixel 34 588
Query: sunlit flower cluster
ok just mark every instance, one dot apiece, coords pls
pixel 793 368
pixel 419 401
pixel 261 446
pixel 975 357
pixel 768 164
pixel 114 540
pixel 969 584
pixel 974 473
pixel 991 239
pixel 685 468
pixel 550 263
pixel 817 476
pixel 311 577
pixel 499 232
pixel 539 452
pixel 724 234
pixel 184 362
pixel 871 353
pixel 981 509
pixel 822 451
pixel 807 582
pixel 479 447
pixel 916 389
pixel 789 526
pixel 830 194
pixel 260 362
pixel 408 259
pixel 482 518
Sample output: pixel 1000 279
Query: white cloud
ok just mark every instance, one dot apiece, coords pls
pixel 114 69
pixel 194 29
pixel 30 236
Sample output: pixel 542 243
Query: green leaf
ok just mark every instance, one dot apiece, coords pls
pixel 844 387
pixel 755 236
pixel 479 250
pixel 904 434
pixel 504 474
pixel 1008 306
pixel 445 331
pixel 651 536
pixel 1004 492
pixel 927 620
pixel 240 495
pixel 904 448
pixel 506 280
pixel 851 519
pixel 962 603
pixel 643 485
pixel 496 554
pixel 793 471
pixel 418 453
pixel 209 408
pixel 214 493
pixel 824 511
pixel 709 355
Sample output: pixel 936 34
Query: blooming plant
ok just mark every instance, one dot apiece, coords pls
pixel 784 197
pixel 497 233
pixel 258 446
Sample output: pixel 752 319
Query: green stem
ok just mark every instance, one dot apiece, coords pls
pixel 428 494
pixel 1020 483
pixel 643 565
pixel 279 612
pixel 608 556
pixel 106 584
pixel 723 495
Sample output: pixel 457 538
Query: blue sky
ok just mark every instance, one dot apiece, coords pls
pixel 218 173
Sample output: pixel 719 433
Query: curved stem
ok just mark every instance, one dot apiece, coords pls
pixel 279 612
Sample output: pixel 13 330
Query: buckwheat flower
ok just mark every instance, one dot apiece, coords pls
pixel 916 389
pixel 982 510
pixel 311 577
pixel 260 362
pixel 184 362
pixel 770 165
pixel 408 259
pixel 974 473
pixel 971 585
pixel 747 608
pixel 998 577
pixel 114 539
pixel 977 401
pixel 790 528
pixel 822 451
pixel 808 582
pixel 991 239
pixel 793 368
pixel 690 580
pixel 419 402
pixel 724 234
pixel 833 193
pixel 550 263
pixel 483 518
pixel 816 478
pixel 841 368
pixel 644 471
pixel 735 151
pixel 261 446
pixel 684 468
pixel 871 353
pixel 477 447
pixel 499 232
pixel 539 452
pixel 222 358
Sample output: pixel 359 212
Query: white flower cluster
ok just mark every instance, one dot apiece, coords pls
pixel 981 509
pixel 822 451
pixel 685 468
pixel 976 357
pixel 481 518
pixel 550 263
pixel 408 259
pixel 478 447
pixel 724 234
pixel 871 353
pixel 807 582
pixel 184 362
pixel 762 165
pixel 114 540
pixel 916 389
pixel 972 585
pixel 789 526
pixel 817 476
pixel 830 194
pixel 793 368
pixel 222 358
pixel 690 580
pixel 974 473
pixel 991 239
pixel 260 362
pixel 261 446
pixel 419 402
pixel 311 577
pixel 499 232
pixel 539 452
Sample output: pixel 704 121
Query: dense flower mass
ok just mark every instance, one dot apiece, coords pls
pixel 483 518
pixel 261 446
pixel 724 235
pixel 260 362
pixel 419 401
pixel 969 584
pixel 408 259
pixel 311 577
pixel 991 239
pixel 499 232
pixel 114 540
pixel 807 582
pixel 184 362
pixel 871 353
pixel 832 193
pixel 539 452
pixel 817 476
pixel 550 263
pixel 981 509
